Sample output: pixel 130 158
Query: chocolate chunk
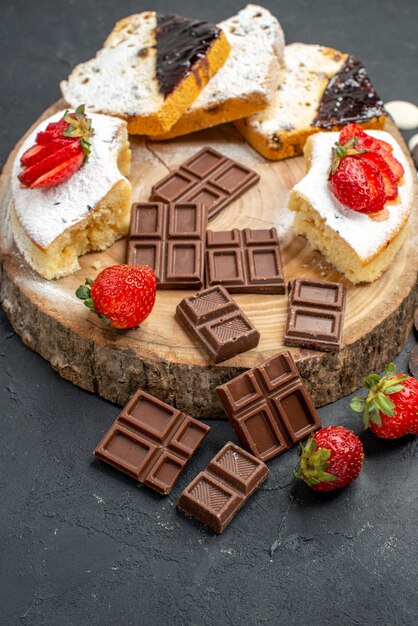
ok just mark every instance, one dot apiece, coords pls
pixel 218 323
pixel 181 43
pixel 151 442
pixel 316 315
pixel 349 97
pixel 269 407
pixel 170 239
pixel 208 178
pixel 244 261
pixel 413 362
pixel 215 496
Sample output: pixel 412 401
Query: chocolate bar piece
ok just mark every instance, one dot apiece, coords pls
pixel 151 442
pixel 170 239
pixel 316 315
pixel 215 496
pixel 208 178
pixel 269 407
pixel 244 261
pixel 218 323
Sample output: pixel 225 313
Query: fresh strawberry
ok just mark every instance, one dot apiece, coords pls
pixel 371 144
pixel 30 175
pixel 356 182
pixel 389 180
pixel 332 458
pixel 38 152
pixel 351 130
pixel 121 295
pixel 61 173
pixel 394 416
pixel 59 152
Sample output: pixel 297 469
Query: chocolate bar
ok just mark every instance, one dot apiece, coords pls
pixel 316 315
pixel 151 442
pixel 207 178
pixel 215 496
pixel 269 407
pixel 218 323
pixel 170 239
pixel 244 261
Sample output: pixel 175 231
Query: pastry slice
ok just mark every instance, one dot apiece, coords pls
pixel 322 89
pixel 149 71
pixel 249 78
pixel 361 246
pixel 53 226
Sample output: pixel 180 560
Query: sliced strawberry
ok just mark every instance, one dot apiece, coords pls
pixel 37 153
pixel 358 184
pixel 60 173
pixel 374 145
pixel 351 130
pixel 28 176
pixel 389 180
pixel 61 125
pixel 46 136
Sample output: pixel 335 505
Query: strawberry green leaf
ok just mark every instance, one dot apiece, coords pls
pixel 384 404
pixel 394 389
pixel 390 370
pixel 105 319
pixel 83 292
pixel 358 404
pixel 371 380
pixel 374 416
pixel 89 281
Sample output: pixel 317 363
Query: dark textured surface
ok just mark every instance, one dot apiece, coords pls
pixel 82 544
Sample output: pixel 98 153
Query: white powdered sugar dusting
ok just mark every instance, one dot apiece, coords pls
pixel 307 71
pixel 45 213
pixel 365 235
pixel 257 50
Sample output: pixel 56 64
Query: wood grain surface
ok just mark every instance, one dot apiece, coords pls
pixel 160 356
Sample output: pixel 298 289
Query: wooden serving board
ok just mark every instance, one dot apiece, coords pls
pixel 160 357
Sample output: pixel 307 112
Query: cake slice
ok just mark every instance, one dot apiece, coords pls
pixel 360 245
pixel 149 71
pixel 249 78
pixel 322 89
pixel 53 226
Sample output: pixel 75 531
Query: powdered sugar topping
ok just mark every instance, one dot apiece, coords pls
pixel 46 213
pixel 365 235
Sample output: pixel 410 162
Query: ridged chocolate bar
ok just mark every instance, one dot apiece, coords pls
pixel 244 261
pixel 218 323
pixel 215 496
pixel 171 240
pixel 316 315
pixel 151 441
pixel 207 178
pixel 269 407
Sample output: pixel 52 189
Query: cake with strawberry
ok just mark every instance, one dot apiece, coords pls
pixel 70 193
pixel 355 200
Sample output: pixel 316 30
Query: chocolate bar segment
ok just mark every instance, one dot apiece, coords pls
pixel 269 407
pixel 151 441
pixel 218 323
pixel 207 178
pixel 316 315
pixel 170 239
pixel 215 496
pixel 244 261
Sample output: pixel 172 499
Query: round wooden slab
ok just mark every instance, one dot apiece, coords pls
pixel 160 357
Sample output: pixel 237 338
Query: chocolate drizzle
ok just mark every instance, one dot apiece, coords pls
pixel 348 97
pixel 180 44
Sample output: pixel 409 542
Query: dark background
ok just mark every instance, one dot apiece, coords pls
pixel 84 545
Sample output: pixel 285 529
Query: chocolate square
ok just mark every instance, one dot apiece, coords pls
pixel 244 261
pixel 151 441
pixel 208 178
pixel 218 323
pixel 269 407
